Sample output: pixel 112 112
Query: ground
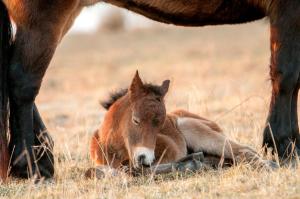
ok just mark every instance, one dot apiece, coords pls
pixel 218 72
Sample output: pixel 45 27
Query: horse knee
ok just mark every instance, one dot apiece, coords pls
pixel 28 66
pixel 26 93
pixel 24 90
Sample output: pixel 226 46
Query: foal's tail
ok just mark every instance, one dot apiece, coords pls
pixel 5 47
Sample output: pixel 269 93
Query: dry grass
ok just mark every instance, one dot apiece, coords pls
pixel 218 72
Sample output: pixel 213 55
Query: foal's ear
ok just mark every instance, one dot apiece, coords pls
pixel 137 85
pixel 165 87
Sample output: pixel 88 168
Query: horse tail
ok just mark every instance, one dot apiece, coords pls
pixel 5 48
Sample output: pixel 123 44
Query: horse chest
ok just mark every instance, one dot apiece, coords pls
pixel 170 129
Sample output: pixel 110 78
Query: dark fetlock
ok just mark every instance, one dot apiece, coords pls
pixel 285 149
pixel 44 158
pixel 36 160
pixel 39 163
pixel 43 147
pixel 291 157
pixel 288 153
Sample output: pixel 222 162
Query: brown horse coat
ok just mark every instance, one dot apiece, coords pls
pixel 180 131
pixel 41 24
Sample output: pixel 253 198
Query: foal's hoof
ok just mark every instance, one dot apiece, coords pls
pixel 191 162
pixel 192 165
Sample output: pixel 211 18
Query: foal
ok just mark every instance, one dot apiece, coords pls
pixel 137 132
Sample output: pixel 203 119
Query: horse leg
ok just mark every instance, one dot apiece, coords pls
pixel 294 116
pixel 287 140
pixel 39 30
pixel 42 150
pixel 44 145
pixel 282 125
pixel 5 39
pixel 28 65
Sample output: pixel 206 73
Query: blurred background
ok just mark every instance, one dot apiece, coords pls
pixel 106 16
pixel 219 72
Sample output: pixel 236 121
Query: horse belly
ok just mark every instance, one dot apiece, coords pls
pixel 171 7
pixel 183 7
pixel 195 12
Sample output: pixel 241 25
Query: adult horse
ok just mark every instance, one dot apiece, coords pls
pixel 41 24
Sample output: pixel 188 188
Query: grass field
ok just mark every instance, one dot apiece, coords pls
pixel 218 72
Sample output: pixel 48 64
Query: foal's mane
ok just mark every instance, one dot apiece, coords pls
pixel 114 96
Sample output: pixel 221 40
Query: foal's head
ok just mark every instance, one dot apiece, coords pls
pixel 146 118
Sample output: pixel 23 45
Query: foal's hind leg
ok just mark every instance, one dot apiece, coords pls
pixel 201 137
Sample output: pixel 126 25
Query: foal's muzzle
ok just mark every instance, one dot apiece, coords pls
pixel 143 157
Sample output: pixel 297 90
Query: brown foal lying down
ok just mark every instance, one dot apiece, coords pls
pixel 137 132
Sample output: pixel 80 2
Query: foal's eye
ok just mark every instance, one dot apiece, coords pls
pixel 135 120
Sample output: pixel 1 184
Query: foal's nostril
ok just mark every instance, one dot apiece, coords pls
pixel 143 156
pixel 141 159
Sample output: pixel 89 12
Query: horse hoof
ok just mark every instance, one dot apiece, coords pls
pixel 42 169
pixel 290 163
pixel 292 160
